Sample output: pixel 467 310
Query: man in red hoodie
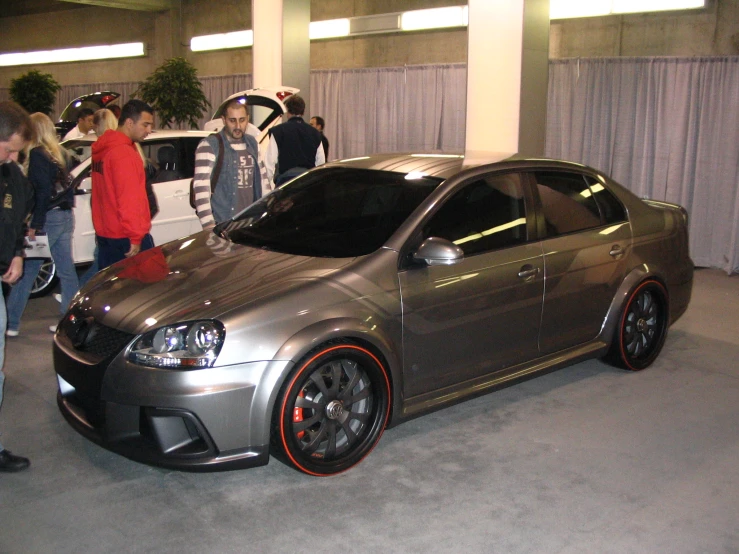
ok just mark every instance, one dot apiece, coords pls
pixel 120 208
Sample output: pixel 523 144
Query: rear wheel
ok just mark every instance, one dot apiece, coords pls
pixel 642 328
pixel 332 410
pixel 45 281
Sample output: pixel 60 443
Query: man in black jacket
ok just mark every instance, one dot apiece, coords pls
pixel 294 146
pixel 17 198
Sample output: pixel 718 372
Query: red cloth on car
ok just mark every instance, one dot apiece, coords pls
pixel 120 208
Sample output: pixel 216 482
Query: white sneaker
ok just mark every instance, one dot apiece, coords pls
pixel 11 332
pixel 52 328
pixel 58 297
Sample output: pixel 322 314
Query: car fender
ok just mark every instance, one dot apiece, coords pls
pixel 297 346
pixel 630 282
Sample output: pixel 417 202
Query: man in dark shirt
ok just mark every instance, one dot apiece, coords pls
pixel 17 199
pixel 318 123
pixel 294 146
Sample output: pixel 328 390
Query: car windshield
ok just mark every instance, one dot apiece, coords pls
pixel 335 212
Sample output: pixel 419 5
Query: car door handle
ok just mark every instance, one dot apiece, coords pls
pixel 528 272
pixel 179 193
pixel 616 251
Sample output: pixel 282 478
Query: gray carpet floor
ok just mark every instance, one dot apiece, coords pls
pixel 587 459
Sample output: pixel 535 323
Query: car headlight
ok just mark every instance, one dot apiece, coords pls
pixel 192 345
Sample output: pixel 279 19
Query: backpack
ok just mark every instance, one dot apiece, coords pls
pixel 213 176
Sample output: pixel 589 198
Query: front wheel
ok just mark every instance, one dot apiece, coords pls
pixel 642 328
pixel 332 410
pixel 45 281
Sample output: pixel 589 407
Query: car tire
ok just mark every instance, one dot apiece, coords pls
pixel 45 281
pixel 642 327
pixel 332 410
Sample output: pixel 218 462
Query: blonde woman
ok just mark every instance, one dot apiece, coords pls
pixel 103 120
pixel 42 164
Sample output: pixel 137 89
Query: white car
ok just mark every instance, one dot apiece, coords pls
pixel 173 154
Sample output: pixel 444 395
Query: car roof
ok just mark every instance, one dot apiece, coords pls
pixel 447 165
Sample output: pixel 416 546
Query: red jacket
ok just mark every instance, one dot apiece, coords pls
pixel 120 208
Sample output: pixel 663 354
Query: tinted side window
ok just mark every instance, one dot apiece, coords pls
pixel 610 207
pixel 173 159
pixel 486 214
pixel 187 155
pixel 567 202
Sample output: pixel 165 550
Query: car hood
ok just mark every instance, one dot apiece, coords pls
pixel 199 277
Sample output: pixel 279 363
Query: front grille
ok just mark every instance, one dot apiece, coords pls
pixel 104 341
pixel 93 338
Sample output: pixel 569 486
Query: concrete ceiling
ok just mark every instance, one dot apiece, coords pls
pixel 141 5
pixel 12 8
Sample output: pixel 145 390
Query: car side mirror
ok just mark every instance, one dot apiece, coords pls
pixel 438 251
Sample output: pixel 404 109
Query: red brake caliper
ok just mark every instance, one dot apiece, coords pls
pixel 298 415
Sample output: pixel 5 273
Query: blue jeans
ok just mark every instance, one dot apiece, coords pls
pixel 59 228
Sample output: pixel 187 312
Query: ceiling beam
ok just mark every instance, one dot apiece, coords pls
pixel 139 5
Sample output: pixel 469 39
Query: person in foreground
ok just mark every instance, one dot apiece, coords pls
pixel 17 198
pixel 46 162
pixel 120 208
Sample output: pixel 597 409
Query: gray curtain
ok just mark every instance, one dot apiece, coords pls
pixel 412 108
pixel 667 128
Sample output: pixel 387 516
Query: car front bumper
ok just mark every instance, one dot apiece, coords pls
pixel 204 420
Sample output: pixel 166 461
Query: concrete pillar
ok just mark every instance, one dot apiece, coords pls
pixel 507 75
pixel 281 51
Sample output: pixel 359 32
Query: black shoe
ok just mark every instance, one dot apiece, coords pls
pixel 8 462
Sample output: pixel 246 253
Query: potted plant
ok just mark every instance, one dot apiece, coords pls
pixel 35 91
pixel 176 93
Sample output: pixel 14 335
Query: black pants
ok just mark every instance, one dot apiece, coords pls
pixel 111 251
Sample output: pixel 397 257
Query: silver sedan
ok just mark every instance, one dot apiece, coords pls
pixel 359 295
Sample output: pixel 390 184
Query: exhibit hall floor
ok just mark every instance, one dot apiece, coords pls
pixel 586 459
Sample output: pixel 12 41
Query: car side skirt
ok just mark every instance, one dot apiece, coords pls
pixel 418 405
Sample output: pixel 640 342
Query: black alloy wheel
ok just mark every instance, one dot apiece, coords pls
pixel 45 281
pixel 332 410
pixel 642 328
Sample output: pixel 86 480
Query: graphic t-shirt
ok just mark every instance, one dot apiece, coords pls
pixel 245 181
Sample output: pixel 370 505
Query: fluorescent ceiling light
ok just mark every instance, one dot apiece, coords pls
pixel 635 6
pixel 563 9
pixel 328 29
pixel 85 53
pixel 435 18
pixel 221 41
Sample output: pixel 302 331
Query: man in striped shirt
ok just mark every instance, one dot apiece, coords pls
pixel 229 172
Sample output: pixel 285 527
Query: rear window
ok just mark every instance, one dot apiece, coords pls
pixel 331 212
